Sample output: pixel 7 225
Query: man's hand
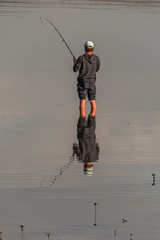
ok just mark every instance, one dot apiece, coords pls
pixel 74 60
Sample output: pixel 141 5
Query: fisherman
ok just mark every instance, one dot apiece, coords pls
pixel 87 65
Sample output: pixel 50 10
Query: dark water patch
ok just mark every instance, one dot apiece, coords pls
pixel 103 3
pixel 20 7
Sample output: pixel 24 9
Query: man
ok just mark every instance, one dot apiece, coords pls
pixel 87 65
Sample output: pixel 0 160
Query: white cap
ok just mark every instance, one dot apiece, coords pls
pixel 89 44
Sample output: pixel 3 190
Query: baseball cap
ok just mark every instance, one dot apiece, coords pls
pixel 89 44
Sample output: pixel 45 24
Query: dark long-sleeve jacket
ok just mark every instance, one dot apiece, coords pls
pixel 87 65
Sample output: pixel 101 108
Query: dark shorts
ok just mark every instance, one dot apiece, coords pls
pixel 86 89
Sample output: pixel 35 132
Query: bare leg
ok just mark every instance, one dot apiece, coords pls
pixel 93 108
pixel 82 107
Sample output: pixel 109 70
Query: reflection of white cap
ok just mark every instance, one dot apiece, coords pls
pixel 89 44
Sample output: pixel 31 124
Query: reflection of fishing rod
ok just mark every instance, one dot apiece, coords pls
pixel 62 169
pixel 58 33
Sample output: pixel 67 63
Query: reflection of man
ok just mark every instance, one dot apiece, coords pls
pixel 88 149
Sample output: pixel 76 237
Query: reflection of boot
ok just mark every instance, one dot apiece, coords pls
pixel 91 120
pixel 81 125
pixel 82 121
pixel 1 235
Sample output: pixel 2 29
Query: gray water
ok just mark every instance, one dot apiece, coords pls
pixel 42 186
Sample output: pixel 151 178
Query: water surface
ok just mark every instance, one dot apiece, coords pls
pixel 42 184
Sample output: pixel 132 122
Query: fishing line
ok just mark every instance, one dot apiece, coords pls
pixel 43 18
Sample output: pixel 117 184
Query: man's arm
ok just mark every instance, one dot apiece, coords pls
pixel 77 64
pixel 98 64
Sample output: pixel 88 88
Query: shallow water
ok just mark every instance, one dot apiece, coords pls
pixel 42 184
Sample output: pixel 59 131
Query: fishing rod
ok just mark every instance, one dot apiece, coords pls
pixel 43 18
